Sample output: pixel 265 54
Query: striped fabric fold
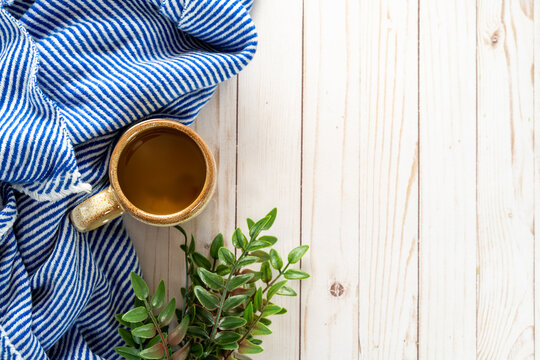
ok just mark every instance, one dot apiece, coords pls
pixel 73 75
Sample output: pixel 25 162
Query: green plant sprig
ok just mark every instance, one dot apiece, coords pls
pixel 226 301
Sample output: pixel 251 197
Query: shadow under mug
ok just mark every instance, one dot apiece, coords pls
pixel 112 202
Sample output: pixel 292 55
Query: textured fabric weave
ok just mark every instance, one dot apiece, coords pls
pixel 73 75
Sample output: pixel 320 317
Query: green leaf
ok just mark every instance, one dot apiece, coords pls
pixel 165 316
pixel 127 352
pixel 261 329
pixel 197 350
pixel 262 242
pixel 135 315
pixel 273 215
pixel 256 341
pixel 271 309
pixel 153 341
pixel 182 354
pixel 196 331
pixel 258 244
pixel 176 336
pixel 266 272
pixel 226 256
pixel 262 255
pixel 296 254
pixel 231 322
pixel 139 286
pixel 191 310
pixel 239 280
pixel 245 261
pixel 234 301
pixel 275 288
pixel 230 347
pixel 205 316
pixel 256 277
pixel 213 281
pixel 191 248
pixel 250 223
pixel 118 318
pixel 159 295
pixel 239 239
pixel 266 321
pixel 248 313
pixel 138 340
pixel 223 270
pixel 276 260
pixel 249 291
pixel 258 299
pixel 154 352
pixel 126 336
pixel 269 239
pixel 207 299
pixel 145 331
pixel 282 311
pixel 247 347
pixel 226 337
pixel 258 227
pixel 286 291
pixel 293 274
pixel 201 261
pixel 217 243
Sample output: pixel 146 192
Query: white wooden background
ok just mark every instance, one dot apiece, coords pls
pixel 397 139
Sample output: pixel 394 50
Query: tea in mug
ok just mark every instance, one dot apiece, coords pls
pixel 162 171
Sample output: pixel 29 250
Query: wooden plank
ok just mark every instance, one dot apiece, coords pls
pixel 331 175
pixel 151 244
pixel 158 248
pixel 269 132
pixel 447 251
pixel 505 313
pixel 389 179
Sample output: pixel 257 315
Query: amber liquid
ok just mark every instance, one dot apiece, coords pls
pixel 161 171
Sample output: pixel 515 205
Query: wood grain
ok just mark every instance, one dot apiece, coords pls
pixel 269 153
pixel 397 139
pixel 447 252
pixel 388 179
pixel 331 173
pixel 505 189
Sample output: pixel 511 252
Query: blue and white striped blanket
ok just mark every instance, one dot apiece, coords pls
pixel 73 73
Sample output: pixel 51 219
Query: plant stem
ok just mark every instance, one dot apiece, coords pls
pixel 187 279
pixel 248 332
pixel 158 329
pixel 224 296
pixel 277 278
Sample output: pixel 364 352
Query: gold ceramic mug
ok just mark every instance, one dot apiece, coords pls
pixel 112 202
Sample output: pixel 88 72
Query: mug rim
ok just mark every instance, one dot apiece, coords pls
pixel 163 219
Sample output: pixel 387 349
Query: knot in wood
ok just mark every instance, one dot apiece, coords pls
pixel 336 289
pixel 495 38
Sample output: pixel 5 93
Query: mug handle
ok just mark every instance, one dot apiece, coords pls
pixel 96 211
